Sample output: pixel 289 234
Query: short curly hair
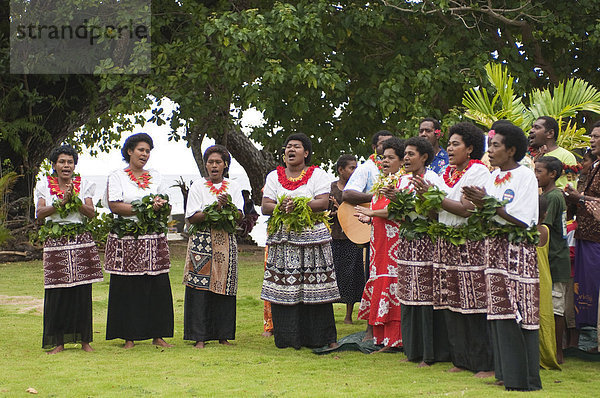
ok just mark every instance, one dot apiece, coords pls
pixel 63 150
pixel 423 147
pixel 343 161
pixel 306 144
pixel 513 137
pixel 221 150
pixel 132 141
pixel 380 133
pixel 471 136
pixel 396 144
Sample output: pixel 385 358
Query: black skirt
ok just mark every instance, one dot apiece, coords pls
pixel 140 307
pixel 424 334
pixel 208 316
pixel 303 325
pixel 67 315
pixel 516 355
pixel 349 270
pixel 469 341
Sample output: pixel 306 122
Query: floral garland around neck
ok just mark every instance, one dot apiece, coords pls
pixel 499 181
pixel 453 176
pixel 378 162
pixel 385 180
pixel 215 191
pixel 55 188
pixel 293 183
pixel 143 181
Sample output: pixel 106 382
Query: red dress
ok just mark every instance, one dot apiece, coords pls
pixel 380 304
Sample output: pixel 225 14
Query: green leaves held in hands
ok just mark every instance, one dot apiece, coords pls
pixel 150 221
pixel 55 230
pixel 72 206
pixel 402 205
pixel 429 201
pixel 300 218
pixel 224 218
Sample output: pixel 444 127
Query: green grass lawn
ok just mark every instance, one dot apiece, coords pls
pixel 252 366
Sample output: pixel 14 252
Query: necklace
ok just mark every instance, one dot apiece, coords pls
pixel 55 187
pixel 143 181
pixel 378 162
pixel 452 175
pixel 215 191
pixel 295 182
pixel 499 181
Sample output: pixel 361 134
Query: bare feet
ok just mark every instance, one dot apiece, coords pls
pixel 368 333
pixel 56 349
pixel 266 334
pixel 404 360
pixel 499 383
pixel 484 375
pixel 348 321
pixel 224 342
pixel 384 349
pixel 86 347
pixel 161 343
pixel 423 365
pixel 199 345
pixel 128 344
pixel 334 345
pixel 455 369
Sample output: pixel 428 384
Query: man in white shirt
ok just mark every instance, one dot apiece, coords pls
pixel 360 183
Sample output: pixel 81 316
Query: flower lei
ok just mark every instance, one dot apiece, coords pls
pixel 55 188
pixel 293 183
pixel 143 181
pixel 452 176
pixel 574 169
pixel 378 162
pixel 438 133
pixel 215 191
pixel 385 180
pixel 499 181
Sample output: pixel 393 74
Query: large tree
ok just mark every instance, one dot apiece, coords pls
pixel 337 71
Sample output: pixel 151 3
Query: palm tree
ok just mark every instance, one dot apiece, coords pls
pixel 562 102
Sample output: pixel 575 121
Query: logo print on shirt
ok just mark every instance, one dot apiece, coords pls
pixel 509 195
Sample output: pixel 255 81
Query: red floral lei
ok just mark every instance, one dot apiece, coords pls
pixel 500 181
pixel 452 176
pixel 215 191
pixel 574 169
pixel 292 184
pixel 378 162
pixel 55 188
pixel 142 182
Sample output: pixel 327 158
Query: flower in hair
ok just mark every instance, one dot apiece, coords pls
pixel 438 133
pixel 491 133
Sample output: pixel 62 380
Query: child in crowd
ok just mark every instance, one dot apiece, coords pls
pixel 547 171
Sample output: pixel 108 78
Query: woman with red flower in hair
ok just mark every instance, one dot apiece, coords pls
pixel 299 278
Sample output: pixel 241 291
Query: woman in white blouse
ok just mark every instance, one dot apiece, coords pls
pixel 140 304
pixel 71 261
pixel 300 278
pixel 210 277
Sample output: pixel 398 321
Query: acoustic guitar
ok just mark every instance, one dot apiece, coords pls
pixel 355 230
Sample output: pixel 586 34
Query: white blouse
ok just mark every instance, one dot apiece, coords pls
pixel 319 183
pixel 42 191
pixel 477 175
pixel 429 176
pixel 199 196
pixel 521 191
pixel 121 188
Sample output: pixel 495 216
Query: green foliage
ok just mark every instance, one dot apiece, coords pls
pixel 55 230
pixel 224 218
pixel 429 201
pixel 71 206
pixel 148 220
pixel 100 226
pixel 564 101
pixel 7 181
pixel 301 217
pixel 402 206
